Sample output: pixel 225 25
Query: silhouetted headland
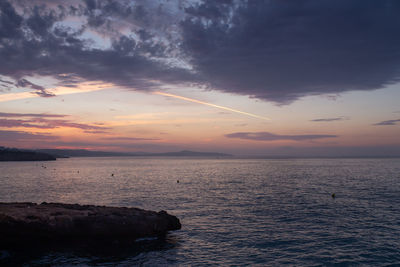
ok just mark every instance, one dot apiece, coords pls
pixel 12 154
pixel 30 223
pixel 92 153
pixel 15 154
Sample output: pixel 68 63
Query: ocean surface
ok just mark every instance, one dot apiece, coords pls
pixel 233 211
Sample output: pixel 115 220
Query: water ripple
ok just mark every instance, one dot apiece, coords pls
pixel 233 212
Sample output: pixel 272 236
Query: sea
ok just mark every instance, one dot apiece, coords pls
pixel 234 212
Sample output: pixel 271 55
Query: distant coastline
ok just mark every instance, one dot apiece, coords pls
pixel 89 153
pixel 13 154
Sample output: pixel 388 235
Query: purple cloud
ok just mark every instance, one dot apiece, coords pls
pixel 40 90
pixel 15 136
pixel 39 115
pixel 280 50
pixel 266 136
pixel 41 123
pixel 38 42
pixel 329 119
pixel 129 139
pixel 95 131
pixel 388 122
pixel 272 50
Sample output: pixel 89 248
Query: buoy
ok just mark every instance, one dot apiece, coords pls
pixel 177 181
pixel 112 174
pixel 333 195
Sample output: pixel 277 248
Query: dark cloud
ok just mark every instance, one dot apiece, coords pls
pixel 329 119
pixel 18 136
pixel 65 123
pixel 10 21
pixel 35 43
pixel 39 115
pixel 40 90
pixel 95 132
pixel 266 136
pixel 68 80
pixel 41 123
pixel 282 50
pixel 26 83
pixel 129 139
pixel 6 82
pixel 388 122
pixel 272 50
pixel 5 85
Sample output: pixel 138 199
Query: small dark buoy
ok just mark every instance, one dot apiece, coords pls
pixel 78 171
pixel 333 195
pixel 177 181
pixel 112 174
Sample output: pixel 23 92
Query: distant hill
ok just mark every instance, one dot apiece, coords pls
pixel 13 154
pixel 187 153
pixel 89 153
pixel 66 153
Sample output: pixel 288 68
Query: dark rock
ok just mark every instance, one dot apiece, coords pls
pixel 22 223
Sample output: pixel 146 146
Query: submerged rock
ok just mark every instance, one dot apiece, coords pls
pixel 33 223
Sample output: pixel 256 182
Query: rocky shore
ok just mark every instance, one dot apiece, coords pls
pixel 22 223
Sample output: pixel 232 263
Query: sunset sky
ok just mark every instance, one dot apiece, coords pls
pixel 276 78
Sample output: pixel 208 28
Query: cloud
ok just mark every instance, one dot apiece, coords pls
pixel 65 123
pixel 60 90
pixel 40 121
pixel 39 115
pixel 95 132
pixel 39 42
pixel 129 139
pixel 392 150
pixel 280 50
pixel 272 50
pixel 329 119
pixel 266 136
pixel 5 85
pixel 388 122
pixel 40 90
pixel 6 82
pixel 15 136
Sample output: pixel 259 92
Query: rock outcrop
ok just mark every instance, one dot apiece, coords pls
pixel 48 222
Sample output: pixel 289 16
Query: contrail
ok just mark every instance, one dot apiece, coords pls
pixel 211 105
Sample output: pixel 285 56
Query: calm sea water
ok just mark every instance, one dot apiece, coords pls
pixel 233 211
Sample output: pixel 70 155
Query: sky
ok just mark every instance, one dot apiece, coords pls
pixel 273 78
